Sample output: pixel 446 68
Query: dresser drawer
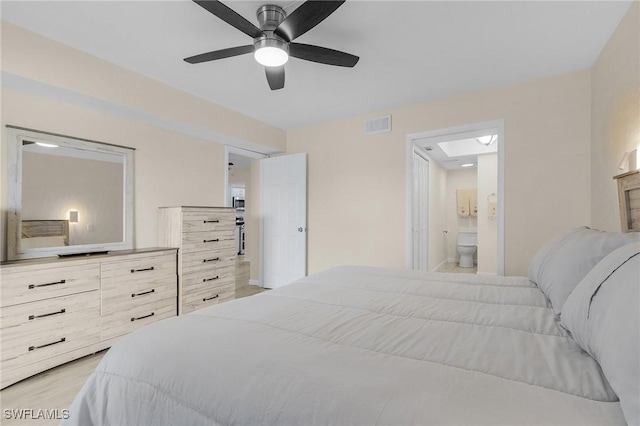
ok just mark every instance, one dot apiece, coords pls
pixel 209 240
pixel 203 221
pixel 59 341
pixel 127 320
pixel 207 261
pixel 120 295
pixel 37 323
pixel 210 275
pixel 23 285
pixel 211 285
pixel 202 299
pixel 145 267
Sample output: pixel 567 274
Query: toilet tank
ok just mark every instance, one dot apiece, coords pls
pixel 467 238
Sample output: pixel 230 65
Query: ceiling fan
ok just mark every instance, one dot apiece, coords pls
pixel 273 41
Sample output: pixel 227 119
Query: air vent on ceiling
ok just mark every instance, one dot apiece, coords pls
pixel 377 125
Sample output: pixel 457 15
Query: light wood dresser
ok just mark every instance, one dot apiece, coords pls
pixel 54 310
pixel 205 237
pixel 629 198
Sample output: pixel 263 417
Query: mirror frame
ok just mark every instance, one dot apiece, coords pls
pixel 15 136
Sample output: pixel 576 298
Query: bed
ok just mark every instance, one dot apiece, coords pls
pixel 365 346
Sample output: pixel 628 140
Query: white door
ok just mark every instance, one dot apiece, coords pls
pixel 420 212
pixel 283 211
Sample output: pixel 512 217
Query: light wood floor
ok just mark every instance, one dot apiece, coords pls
pixel 52 390
pixel 453 267
pixel 243 288
pixel 55 389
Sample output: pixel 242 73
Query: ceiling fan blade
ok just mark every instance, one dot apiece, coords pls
pixel 305 17
pixel 275 77
pixel 230 16
pixel 219 54
pixel 322 55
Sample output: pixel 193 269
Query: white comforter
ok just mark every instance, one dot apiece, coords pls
pixel 356 346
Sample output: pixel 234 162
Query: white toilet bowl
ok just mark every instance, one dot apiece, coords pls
pixel 467 244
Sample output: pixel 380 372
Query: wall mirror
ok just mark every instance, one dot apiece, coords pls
pixel 67 195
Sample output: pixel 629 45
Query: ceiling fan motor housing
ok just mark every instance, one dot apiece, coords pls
pixel 270 16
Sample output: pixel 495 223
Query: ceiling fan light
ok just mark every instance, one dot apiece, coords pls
pixel 487 140
pixel 270 56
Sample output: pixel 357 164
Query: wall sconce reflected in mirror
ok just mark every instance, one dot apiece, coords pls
pixel 630 161
pixel 73 216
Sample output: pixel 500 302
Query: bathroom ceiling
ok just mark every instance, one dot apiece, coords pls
pixel 410 51
pixel 452 151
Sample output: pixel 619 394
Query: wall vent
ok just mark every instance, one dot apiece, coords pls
pixel 377 125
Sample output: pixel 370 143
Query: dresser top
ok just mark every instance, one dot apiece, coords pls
pixel 97 256
pixel 197 207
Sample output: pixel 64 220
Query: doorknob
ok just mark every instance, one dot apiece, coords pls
pixel 301 229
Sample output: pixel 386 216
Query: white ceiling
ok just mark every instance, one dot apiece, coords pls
pixel 410 51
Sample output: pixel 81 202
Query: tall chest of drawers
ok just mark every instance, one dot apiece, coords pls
pixel 56 310
pixel 205 237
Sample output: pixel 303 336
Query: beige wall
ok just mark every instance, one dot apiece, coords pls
pixel 564 137
pixel 487 227
pixel 240 176
pixel 357 182
pixel 457 179
pixel 615 115
pixel 179 157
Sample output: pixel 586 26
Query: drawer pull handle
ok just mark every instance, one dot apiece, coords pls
pixel 153 290
pixel 210 298
pixel 32 317
pixel 215 259
pixel 210 279
pixel 211 241
pixel 212 221
pixel 143 269
pixel 143 317
pixel 33 348
pixel 32 286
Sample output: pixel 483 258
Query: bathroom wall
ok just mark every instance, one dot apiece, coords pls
pixel 457 179
pixel 487 227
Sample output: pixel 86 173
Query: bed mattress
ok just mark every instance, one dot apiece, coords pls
pixel 356 346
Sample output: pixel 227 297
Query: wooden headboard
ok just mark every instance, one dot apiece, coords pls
pixel 629 198
pixel 46 228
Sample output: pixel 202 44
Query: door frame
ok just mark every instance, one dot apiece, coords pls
pixel 244 153
pixel 497 124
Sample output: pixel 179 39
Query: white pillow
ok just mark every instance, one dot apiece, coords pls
pixel 560 265
pixel 603 316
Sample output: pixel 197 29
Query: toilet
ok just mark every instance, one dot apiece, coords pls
pixel 467 244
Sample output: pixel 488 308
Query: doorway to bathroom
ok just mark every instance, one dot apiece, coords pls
pixel 455 206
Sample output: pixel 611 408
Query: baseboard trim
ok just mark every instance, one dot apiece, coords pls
pixel 255 282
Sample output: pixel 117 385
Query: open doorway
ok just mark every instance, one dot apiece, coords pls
pixel 463 198
pixel 242 192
